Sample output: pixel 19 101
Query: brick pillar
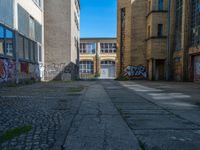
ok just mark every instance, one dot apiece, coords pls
pixel 185 38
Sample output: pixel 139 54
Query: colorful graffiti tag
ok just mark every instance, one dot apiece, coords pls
pixel 7 70
pixel 135 72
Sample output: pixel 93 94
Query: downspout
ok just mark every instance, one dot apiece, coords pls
pixel 168 44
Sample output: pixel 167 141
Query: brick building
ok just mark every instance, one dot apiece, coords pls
pixel 97 58
pixel 158 39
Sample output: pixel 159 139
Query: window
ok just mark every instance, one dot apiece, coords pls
pixel 87 48
pixel 21 47
pixel 9 43
pixel 6 41
pixel 26 49
pixel 38 2
pixel 149 5
pixel 107 62
pixel 31 47
pixel 1 40
pixel 86 67
pixel 39 53
pixel 32 28
pixel 108 47
pixel 195 23
pixel 160 30
pixel 160 5
pixel 178 24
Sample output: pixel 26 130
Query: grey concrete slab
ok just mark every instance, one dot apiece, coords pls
pixel 144 112
pixel 169 139
pixel 158 122
pixel 100 133
pixel 192 115
pixel 99 126
pixel 137 106
pixel 91 107
pixel 126 99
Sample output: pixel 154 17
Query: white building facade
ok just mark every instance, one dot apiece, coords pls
pixel 21 40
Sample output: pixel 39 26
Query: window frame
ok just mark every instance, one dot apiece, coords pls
pixel 5 42
pixel 83 67
pixel 108 48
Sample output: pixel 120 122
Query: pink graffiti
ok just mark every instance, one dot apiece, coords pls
pixel 7 70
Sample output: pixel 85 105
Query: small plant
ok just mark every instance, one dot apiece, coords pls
pixel 142 145
pixel 11 134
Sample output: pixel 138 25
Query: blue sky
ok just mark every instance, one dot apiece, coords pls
pixel 98 18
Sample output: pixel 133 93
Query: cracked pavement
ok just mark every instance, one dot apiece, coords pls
pixel 104 115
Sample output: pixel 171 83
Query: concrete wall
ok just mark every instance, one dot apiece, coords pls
pixel 59 40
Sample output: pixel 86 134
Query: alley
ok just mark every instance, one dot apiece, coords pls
pixel 101 115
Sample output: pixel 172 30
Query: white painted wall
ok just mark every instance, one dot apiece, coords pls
pixel 74 31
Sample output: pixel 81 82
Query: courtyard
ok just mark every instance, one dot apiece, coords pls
pixel 100 115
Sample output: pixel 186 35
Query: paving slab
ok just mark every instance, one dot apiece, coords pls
pixel 99 126
pixel 169 139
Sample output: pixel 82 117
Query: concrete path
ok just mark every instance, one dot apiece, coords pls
pixel 161 118
pixel 98 125
pixel 102 115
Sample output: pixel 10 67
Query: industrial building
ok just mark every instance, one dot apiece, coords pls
pixel 97 58
pixel 158 39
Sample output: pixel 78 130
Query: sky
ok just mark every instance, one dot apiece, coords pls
pixel 98 18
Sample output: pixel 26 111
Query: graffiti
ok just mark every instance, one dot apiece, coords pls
pixel 56 71
pixel 197 68
pixel 135 72
pixel 7 70
pixel 24 68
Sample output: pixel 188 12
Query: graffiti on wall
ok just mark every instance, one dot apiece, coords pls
pixel 135 72
pixel 197 68
pixel 52 71
pixel 29 71
pixel 7 70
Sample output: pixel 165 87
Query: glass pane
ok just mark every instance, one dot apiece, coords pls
pixel 40 53
pixel 1 46
pixel 9 34
pixel 21 47
pixel 1 32
pixel 26 49
pixel 9 47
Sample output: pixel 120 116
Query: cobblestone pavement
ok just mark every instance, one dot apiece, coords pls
pixel 162 115
pixel 48 107
pixel 102 115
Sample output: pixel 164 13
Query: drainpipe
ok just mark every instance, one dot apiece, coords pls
pixel 168 68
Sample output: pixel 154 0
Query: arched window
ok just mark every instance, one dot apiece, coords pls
pixel 86 67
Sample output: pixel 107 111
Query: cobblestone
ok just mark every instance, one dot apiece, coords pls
pixel 47 107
